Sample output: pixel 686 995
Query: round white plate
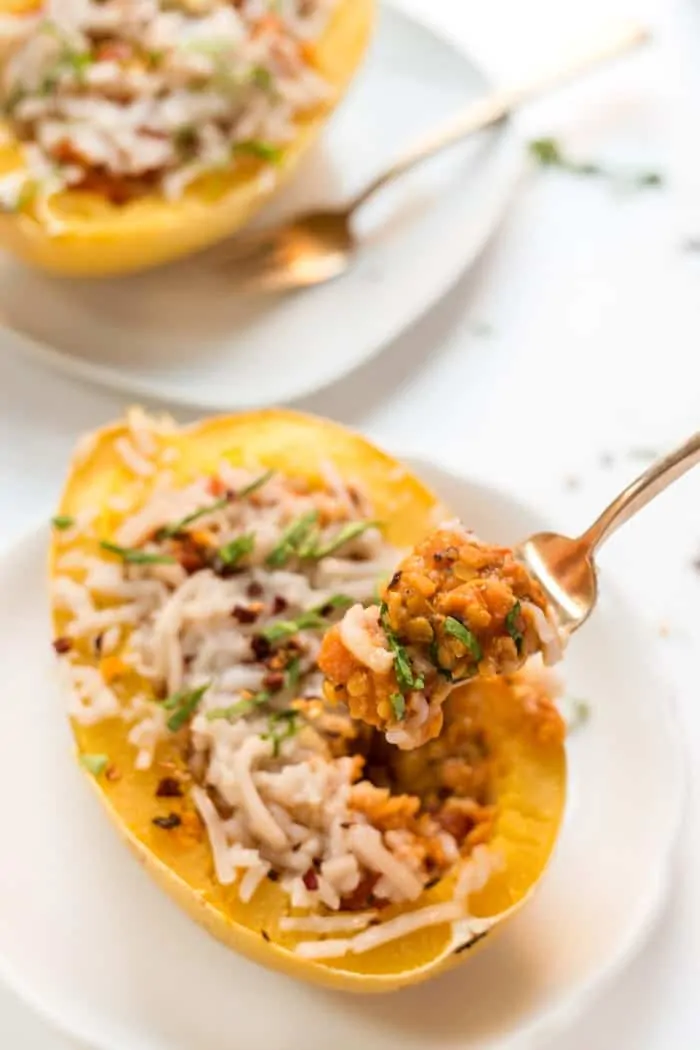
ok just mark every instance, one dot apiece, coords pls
pixel 94 945
pixel 183 334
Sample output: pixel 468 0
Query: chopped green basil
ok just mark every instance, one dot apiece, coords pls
pixel 243 707
pixel 183 705
pixel 435 659
pixel 311 620
pixel 293 537
pixel 348 532
pixel 262 78
pixel 457 629
pixel 185 140
pixel 167 531
pixel 512 627
pixel 402 663
pixel 398 706
pixel 63 522
pixel 293 674
pixel 134 556
pixel 95 764
pixel 260 150
pixel 306 621
pixel 281 726
pixel 231 553
pixel 258 483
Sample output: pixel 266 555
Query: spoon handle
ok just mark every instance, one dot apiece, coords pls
pixel 642 491
pixel 495 107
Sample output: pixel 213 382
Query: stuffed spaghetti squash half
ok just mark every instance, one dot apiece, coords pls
pixel 194 573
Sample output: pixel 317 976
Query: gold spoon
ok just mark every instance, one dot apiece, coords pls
pixel 320 245
pixel 565 567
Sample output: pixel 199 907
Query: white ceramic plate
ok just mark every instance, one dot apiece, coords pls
pixel 87 939
pixel 184 335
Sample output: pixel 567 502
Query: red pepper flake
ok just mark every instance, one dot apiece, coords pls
pixel 243 614
pixel 173 820
pixel 62 645
pixel 273 681
pixel 260 646
pixel 217 486
pixel 265 935
pixel 112 773
pixel 279 604
pixel 255 590
pixel 169 787
pixel 311 880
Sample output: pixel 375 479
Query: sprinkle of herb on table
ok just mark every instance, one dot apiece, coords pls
pixel 134 556
pixel 457 629
pixel 548 153
pixel 168 823
pixel 95 764
pixel 258 483
pixel 403 668
pixel 512 627
pixel 233 552
pixel 63 522
pixel 180 526
pixel 398 706
pixel 183 704
pixel 575 713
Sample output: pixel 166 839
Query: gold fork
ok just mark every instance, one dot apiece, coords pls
pixel 320 245
pixel 565 566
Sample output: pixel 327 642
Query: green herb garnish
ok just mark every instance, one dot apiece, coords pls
pixel 291 539
pixel 457 629
pixel 262 78
pixel 281 726
pixel 185 140
pixel 398 706
pixel 231 553
pixel 549 154
pixel 292 674
pixel 348 532
pixel 134 556
pixel 307 621
pixel 258 483
pixel 402 663
pixel 435 660
pixel 512 627
pixel 243 707
pixel 168 531
pixel 95 764
pixel 260 150
pixel 183 705
pixel 63 522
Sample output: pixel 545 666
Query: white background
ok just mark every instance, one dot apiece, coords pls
pixel 593 307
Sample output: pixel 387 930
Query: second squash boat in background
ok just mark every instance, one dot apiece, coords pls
pixel 136 136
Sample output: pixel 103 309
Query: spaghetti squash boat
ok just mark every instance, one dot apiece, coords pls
pixel 193 574
pixel 455 608
pixel 138 131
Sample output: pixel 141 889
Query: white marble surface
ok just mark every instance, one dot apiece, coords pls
pixel 592 358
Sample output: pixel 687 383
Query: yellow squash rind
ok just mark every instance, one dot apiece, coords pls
pixel 530 773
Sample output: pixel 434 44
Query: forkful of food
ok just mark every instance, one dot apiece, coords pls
pixel 457 608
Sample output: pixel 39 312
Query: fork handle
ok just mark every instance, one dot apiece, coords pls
pixel 495 107
pixel 642 491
